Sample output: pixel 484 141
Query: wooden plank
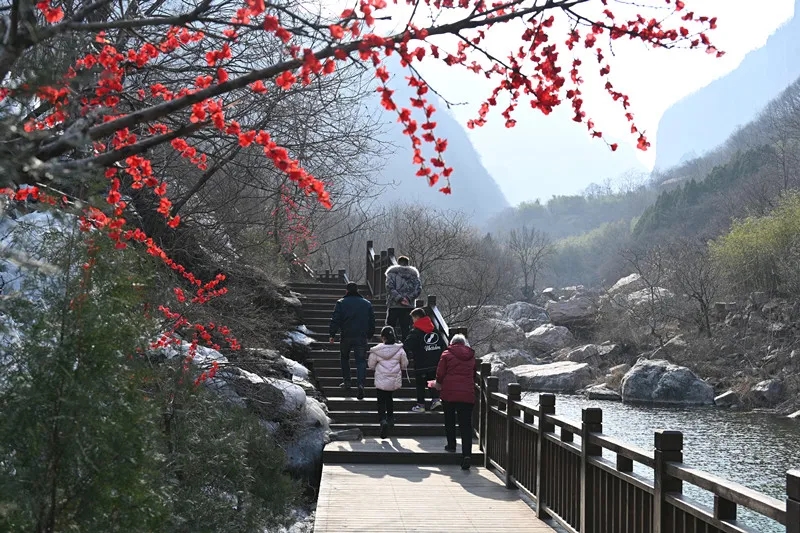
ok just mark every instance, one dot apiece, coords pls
pixel 413 498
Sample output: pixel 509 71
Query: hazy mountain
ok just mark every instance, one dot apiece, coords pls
pixel 474 190
pixel 704 119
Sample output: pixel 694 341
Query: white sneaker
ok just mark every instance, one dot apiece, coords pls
pixel 436 405
pixel 418 409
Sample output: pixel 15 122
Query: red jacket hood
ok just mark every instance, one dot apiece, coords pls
pixel 424 324
pixel 461 351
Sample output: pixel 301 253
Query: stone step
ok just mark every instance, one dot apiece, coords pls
pixel 400 417
pixel 369 392
pixel 329 382
pixel 396 449
pixel 321 310
pixel 350 403
pixel 313 286
pixel 399 430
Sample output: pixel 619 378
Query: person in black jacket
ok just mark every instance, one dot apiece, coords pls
pixel 425 345
pixel 354 317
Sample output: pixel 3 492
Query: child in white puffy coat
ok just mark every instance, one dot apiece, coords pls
pixel 388 359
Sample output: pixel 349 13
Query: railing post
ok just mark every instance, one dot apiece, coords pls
pixel 793 501
pixel 669 448
pixel 591 422
pixel 547 406
pixel 431 300
pixel 514 395
pixel 486 371
pixel 492 385
pixel 383 265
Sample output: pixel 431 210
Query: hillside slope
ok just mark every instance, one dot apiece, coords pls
pixel 704 119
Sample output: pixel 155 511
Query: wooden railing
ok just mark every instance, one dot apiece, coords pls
pixel 299 270
pixel 535 451
pixel 377 263
pixel 333 277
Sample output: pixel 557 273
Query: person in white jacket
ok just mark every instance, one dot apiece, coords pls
pixel 388 359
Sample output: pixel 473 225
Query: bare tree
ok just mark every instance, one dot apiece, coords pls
pixel 530 248
pixel 695 275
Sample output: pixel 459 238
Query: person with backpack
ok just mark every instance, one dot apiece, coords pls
pixel 455 379
pixel 424 345
pixel 403 287
pixel 388 359
pixel 354 317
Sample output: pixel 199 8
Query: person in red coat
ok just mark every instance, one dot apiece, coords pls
pixel 455 378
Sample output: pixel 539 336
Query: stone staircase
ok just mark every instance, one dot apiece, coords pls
pixel 416 438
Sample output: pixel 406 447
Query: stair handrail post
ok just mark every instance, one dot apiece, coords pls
pixel 485 372
pixel 343 276
pixel 668 449
pixel 492 385
pixel 793 501
pixel 512 411
pixel 382 266
pixel 547 406
pixel 591 422
pixel 369 271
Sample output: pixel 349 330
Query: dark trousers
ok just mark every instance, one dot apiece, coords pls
pixel 463 413
pixel 399 316
pixel 385 405
pixel 359 349
pixel 422 377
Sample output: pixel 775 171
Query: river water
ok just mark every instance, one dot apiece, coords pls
pixel 751 448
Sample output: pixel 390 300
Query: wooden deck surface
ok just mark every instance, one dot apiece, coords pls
pixel 431 499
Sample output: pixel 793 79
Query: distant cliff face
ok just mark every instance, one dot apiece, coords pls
pixel 474 190
pixel 704 120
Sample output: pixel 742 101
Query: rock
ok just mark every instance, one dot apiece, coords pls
pixel 727 399
pixel 347 434
pixel 494 334
pixel 779 329
pixel 627 284
pixel 661 382
pixel 602 392
pixel 768 392
pixel 619 369
pixel 504 376
pixel 577 310
pixel 529 324
pixel 676 345
pixel 565 377
pixel 524 310
pixel 578 355
pixel 736 320
pixel 646 297
pixel 548 338
pixel 311 427
pixel 550 294
pixel 510 358
pixel 771 308
pixel 794 416
pixel 608 350
pixel 567 293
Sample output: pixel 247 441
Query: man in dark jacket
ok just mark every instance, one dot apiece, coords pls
pixel 455 379
pixel 354 317
pixel 424 345
pixel 403 286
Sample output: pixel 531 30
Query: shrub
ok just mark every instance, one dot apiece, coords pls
pixel 758 253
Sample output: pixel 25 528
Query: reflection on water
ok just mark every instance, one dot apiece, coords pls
pixel 754 449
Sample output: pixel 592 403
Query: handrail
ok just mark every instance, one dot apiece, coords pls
pixel 298 266
pixel 583 491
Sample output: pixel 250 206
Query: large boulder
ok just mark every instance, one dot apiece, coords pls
pixel 627 285
pixel 647 297
pixel 602 392
pixel 548 338
pixel 524 310
pixel 510 358
pixel 727 399
pixel 566 377
pixel 577 310
pixel 494 334
pixel 582 354
pixel 661 382
pixel 768 392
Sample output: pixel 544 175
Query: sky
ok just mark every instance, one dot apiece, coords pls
pixel 543 156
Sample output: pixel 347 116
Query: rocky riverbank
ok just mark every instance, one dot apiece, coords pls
pixel 628 344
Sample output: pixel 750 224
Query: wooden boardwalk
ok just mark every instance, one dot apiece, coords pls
pixel 406 482
pixel 419 498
